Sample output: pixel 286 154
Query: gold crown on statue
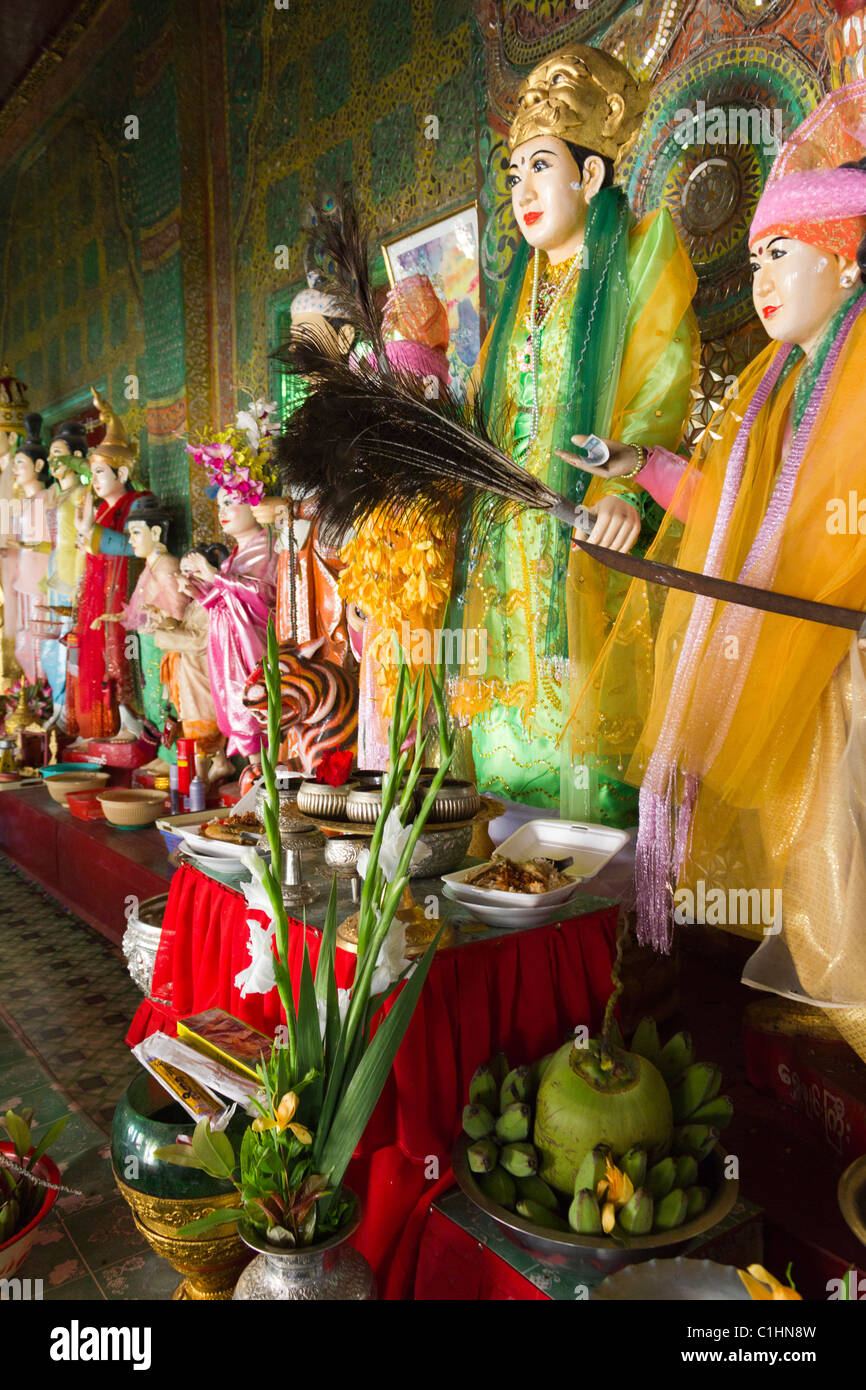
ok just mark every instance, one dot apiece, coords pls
pixel 115 449
pixel 585 97
pixel 13 401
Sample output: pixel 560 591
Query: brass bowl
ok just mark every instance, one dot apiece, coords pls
pixel 852 1197
pixel 419 935
pixel 164 1197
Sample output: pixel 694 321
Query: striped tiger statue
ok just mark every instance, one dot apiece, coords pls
pixel 319 705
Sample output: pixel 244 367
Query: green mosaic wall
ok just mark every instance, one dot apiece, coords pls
pixel 360 79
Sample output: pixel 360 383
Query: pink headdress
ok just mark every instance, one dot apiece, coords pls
pixel 807 195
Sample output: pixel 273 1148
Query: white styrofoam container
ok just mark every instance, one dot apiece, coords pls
pixel 590 847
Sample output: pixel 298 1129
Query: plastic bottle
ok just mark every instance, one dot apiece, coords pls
pixel 173 792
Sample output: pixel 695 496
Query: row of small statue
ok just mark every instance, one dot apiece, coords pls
pixel 186 637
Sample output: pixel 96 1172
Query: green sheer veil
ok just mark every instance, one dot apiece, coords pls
pixel 584 400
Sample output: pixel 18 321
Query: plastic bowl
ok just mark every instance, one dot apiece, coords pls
pixel 132 807
pixel 64 782
pixel 85 805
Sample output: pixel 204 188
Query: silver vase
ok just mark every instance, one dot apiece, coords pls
pixel 329 1271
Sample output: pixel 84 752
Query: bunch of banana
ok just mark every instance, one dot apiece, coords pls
pixel 498 1119
pixel 664 1195
pixel 632 1200
pixel 615 1193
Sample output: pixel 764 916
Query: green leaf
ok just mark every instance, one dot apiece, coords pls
pixel 309 1037
pixel 51 1134
pixel 221 1216
pixel 365 1087
pixel 19 1133
pixel 333 1022
pixel 213 1150
pixel 181 1154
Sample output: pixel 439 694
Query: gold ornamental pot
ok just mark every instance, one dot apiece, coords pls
pixel 164 1197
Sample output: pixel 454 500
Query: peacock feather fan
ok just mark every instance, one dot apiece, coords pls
pixel 365 439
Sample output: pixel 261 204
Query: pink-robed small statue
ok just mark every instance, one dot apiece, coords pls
pixel 239 598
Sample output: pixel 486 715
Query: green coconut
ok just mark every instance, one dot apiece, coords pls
pixel 587 1097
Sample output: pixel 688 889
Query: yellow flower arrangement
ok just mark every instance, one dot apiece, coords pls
pixel 399 575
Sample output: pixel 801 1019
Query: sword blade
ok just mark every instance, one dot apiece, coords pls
pixel 725 590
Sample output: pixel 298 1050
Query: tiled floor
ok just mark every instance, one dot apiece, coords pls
pixel 66 1000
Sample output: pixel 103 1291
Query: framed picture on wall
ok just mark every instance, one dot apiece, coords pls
pixel 446 249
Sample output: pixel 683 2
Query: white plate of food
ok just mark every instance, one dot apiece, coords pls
pixel 513 883
pixel 506 915
pixel 222 839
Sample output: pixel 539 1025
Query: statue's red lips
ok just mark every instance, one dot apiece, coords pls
pixel 530 217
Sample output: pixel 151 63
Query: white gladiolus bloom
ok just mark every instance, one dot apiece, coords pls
pixel 258 977
pixel 391 961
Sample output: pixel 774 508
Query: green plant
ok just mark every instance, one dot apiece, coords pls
pixel 320 1088
pixel 21 1189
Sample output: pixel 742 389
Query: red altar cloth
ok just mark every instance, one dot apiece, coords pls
pixel 524 992
pixel 454 1268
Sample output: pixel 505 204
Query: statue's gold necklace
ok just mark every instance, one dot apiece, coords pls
pixel 546 294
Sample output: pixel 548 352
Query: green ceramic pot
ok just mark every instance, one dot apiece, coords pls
pixel 145 1120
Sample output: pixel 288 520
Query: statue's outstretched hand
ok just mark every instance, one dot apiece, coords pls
pixel 622 458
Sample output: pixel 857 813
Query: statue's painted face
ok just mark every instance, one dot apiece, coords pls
pixel 546 195
pixel 143 538
pixel 106 482
pixel 24 470
pixel 235 517
pixel 797 288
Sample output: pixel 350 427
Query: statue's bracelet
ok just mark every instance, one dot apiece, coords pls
pixel 641 462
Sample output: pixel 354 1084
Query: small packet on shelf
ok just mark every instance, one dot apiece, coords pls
pixel 198 1102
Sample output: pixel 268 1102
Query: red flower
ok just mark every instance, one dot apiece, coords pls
pixel 335 767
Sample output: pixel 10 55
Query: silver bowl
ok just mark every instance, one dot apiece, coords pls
pixel 455 801
pixel 570 1251
pixel 321 802
pixel 341 853
pixel 439 851
pixel 141 941
pixel 364 804
pixel 667 1281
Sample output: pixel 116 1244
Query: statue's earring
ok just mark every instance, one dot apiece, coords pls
pixel 848 279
